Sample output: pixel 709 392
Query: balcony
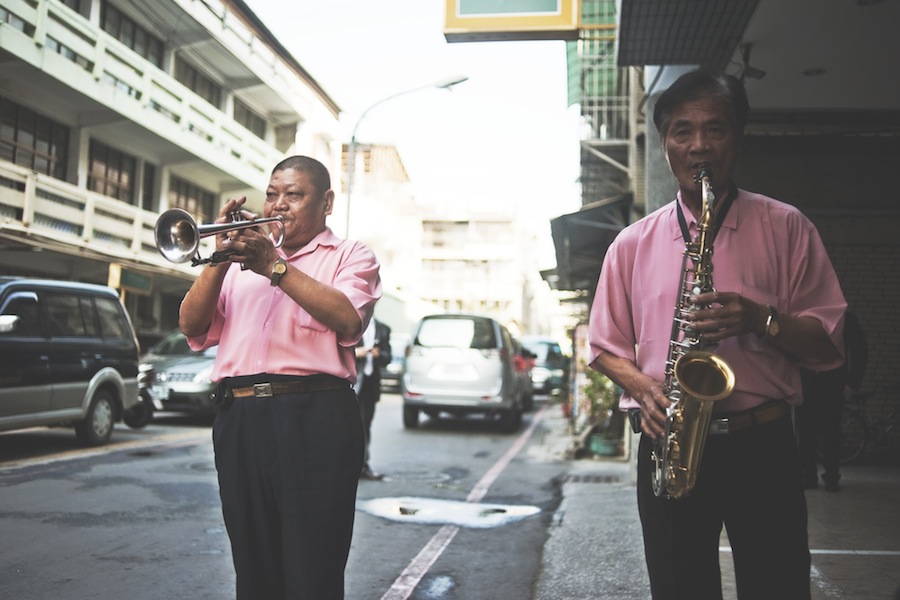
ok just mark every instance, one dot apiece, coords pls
pixel 47 213
pixel 90 68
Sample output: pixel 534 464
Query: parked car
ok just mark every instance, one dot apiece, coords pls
pixel 69 357
pixel 393 371
pixel 179 378
pixel 550 372
pixel 461 364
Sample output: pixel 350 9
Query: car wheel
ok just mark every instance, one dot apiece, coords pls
pixel 511 419
pixel 410 417
pixel 97 426
pixel 140 415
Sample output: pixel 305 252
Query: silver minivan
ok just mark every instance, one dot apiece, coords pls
pixel 461 364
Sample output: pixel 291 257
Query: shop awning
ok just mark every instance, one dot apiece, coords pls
pixel 581 239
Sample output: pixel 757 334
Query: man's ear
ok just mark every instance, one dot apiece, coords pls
pixel 329 201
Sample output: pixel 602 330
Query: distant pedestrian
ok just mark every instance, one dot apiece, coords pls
pixel 372 354
pixel 818 419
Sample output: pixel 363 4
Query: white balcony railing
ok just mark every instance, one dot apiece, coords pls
pixel 53 212
pixel 61 43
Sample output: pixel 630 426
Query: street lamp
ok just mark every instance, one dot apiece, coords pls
pixel 351 151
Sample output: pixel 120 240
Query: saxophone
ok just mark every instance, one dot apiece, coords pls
pixel 695 376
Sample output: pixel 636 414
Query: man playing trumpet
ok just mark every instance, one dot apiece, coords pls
pixel 288 436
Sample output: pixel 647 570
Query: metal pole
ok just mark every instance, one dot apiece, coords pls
pixel 351 150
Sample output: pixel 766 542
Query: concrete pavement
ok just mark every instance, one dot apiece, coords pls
pixel 595 549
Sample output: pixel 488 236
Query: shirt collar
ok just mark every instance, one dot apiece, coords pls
pixel 325 238
pixel 730 222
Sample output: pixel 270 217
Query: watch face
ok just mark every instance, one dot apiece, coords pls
pixel 773 328
pixel 279 268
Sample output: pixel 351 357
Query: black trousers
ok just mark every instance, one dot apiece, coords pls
pixel 369 394
pixel 288 471
pixel 818 419
pixel 749 481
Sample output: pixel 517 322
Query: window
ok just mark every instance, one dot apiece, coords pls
pixel 73 4
pixel 25 307
pixel 33 141
pixel 147 189
pixel 195 200
pixel 70 316
pixel 14 21
pixel 112 173
pixel 247 117
pixel 112 321
pixel 198 83
pixel 116 24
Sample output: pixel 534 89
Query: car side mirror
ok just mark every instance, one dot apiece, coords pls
pixel 9 323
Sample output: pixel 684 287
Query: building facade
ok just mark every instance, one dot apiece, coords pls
pixel 112 111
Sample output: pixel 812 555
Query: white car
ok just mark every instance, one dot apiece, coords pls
pixel 461 364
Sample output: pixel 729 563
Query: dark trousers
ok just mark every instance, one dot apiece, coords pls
pixel 749 481
pixel 818 421
pixel 369 394
pixel 288 471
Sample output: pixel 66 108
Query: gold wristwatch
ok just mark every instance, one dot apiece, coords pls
pixel 278 270
pixel 772 327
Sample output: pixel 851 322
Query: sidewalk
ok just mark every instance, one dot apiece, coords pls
pixel 595 550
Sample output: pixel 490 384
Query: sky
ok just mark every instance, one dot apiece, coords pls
pixel 504 139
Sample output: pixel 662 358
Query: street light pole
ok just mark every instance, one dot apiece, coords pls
pixel 351 151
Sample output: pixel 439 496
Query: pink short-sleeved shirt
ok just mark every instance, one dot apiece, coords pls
pixel 259 329
pixel 765 250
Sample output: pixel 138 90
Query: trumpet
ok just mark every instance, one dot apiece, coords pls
pixel 178 235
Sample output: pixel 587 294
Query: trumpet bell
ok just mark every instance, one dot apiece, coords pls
pixel 177 236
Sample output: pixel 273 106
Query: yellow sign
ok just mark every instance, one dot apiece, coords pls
pixel 498 20
pixel 120 278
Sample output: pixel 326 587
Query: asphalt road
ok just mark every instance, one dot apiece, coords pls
pixel 462 513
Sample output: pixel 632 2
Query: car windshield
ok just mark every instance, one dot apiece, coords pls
pixel 175 344
pixel 456 333
pixel 539 350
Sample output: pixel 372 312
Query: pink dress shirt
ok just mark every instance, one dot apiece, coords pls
pixel 259 328
pixel 765 250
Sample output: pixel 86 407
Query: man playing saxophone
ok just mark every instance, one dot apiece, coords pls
pixel 777 304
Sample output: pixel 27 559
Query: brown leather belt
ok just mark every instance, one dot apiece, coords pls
pixel 764 413
pixel 277 388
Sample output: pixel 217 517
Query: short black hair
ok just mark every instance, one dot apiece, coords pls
pixel 702 83
pixel 316 171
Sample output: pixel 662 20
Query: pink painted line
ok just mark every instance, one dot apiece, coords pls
pixel 406 582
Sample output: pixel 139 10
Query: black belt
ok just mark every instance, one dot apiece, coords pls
pixel 730 423
pixel 278 388
pixel 758 415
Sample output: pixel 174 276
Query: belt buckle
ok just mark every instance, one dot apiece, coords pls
pixel 718 426
pixel 262 390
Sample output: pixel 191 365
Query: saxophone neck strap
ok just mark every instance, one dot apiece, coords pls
pixel 720 215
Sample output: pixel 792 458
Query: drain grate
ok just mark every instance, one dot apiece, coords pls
pixel 592 478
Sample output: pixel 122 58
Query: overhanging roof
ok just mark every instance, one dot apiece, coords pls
pixel 686 32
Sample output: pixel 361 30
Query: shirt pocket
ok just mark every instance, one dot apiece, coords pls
pixel 304 320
